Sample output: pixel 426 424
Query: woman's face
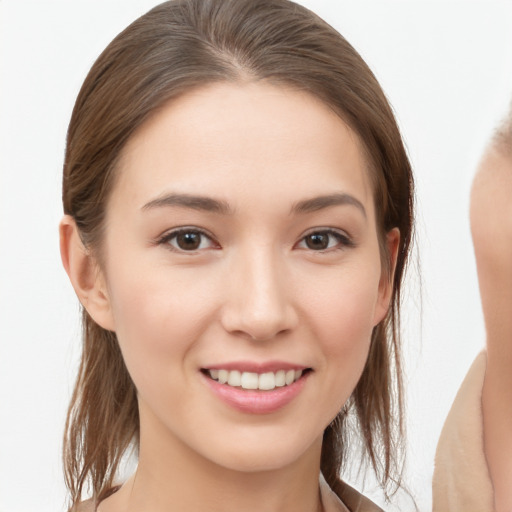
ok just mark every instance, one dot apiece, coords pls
pixel 241 244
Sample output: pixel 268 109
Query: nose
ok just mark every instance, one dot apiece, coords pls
pixel 259 301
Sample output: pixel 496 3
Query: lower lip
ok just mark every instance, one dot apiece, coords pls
pixel 257 402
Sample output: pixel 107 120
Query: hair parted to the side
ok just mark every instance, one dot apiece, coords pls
pixel 176 47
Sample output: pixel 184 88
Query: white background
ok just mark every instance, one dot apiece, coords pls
pixel 446 67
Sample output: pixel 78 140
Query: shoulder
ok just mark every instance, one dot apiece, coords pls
pixel 461 480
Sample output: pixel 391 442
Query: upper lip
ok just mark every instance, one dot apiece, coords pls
pixel 256 367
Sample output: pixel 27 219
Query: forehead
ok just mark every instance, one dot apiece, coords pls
pixel 223 137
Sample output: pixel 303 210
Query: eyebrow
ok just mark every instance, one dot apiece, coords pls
pixel 190 201
pixel 319 203
pixel 209 204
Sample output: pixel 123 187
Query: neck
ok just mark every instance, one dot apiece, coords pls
pixel 224 491
pixel 172 477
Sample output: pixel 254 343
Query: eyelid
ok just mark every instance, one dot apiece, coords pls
pixel 344 239
pixel 168 235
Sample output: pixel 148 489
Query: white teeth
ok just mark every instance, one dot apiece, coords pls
pixel 235 378
pixel 280 378
pixel 267 381
pixel 251 380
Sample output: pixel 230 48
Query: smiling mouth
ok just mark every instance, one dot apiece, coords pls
pixel 255 381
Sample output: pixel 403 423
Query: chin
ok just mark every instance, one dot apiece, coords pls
pixel 264 454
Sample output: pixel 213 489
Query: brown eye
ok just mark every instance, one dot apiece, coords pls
pixel 187 240
pixel 325 240
pixel 317 241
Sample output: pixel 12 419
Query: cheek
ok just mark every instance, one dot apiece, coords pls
pixel 342 317
pixel 346 338
pixel 158 317
pixel 344 308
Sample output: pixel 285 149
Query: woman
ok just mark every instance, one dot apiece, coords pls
pixel 238 214
pixel 474 454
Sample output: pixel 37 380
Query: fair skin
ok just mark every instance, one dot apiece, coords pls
pixel 241 235
pixel 491 227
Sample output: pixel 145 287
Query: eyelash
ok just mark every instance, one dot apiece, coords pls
pixel 174 234
pixel 343 240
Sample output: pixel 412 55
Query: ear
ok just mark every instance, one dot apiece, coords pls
pixel 387 275
pixel 85 275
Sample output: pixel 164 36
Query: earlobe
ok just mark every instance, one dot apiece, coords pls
pixel 85 276
pixel 387 275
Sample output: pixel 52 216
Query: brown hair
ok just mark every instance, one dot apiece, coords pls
pixel 173 48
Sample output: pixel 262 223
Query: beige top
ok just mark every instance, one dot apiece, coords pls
pixel 461 479
pixel 353 501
